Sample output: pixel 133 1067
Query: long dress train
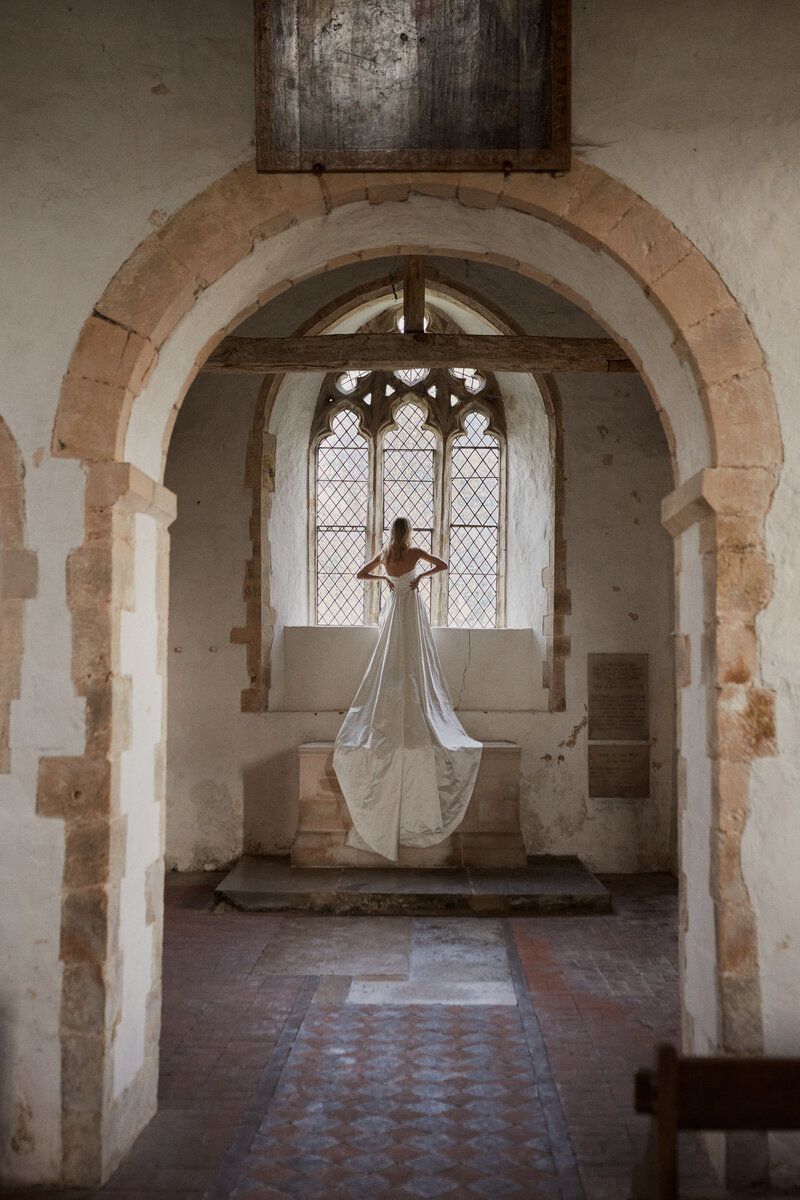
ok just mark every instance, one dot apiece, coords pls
pixel 405 764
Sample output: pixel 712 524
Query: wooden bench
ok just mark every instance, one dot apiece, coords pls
pixel 708 1093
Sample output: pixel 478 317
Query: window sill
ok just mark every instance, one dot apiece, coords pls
pixel 487 670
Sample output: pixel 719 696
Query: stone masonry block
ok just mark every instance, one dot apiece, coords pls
pixel 744 582
pixel 113 354
pixel 208 236
pixel 81 1149
pixel 435 183
pixel 727 882
pixel 740 1013
pixel 150 292
pixel 322 815
pixel 744 421
pixel 732 796
pixel 12 506
pixel 343 187
pixel 646 242
pixel 745 723
pixel 539 193
pixel 87 853
pixel 109 482
pixel 732 534
pixel 480 189
pixel 723 346
pixel 736 652
pixel 89 577
pixel 737 947
pixel 83 998
pixel 597 203
pixel 94 651
pixel 253 202
pixel 302 195
pixel 91 420
pixel 73 788
pixel 20 574
pixel 84 925
pixel 82 1068
pixel 389 186
pixel 730 490
pixel 691 290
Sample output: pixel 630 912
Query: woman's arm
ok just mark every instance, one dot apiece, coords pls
pixel 367 570
pixel 438 565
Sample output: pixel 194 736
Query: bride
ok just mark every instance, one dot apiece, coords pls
pixel 404 762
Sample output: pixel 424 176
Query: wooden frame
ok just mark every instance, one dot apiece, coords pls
pixel 392 351
pixel 454 85
pixel 708 1094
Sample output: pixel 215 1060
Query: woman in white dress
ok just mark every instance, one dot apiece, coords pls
pixel 405 764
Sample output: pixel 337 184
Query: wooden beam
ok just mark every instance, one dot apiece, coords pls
pixel 391 351
pixel 414 295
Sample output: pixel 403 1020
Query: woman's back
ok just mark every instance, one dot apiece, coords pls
pixel 405 563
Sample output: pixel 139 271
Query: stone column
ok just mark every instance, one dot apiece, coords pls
pixel 729 506
pixel 101 1120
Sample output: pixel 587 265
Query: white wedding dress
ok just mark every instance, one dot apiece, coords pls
pixel 404 762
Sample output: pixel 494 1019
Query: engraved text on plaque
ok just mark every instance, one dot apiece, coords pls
pixel 619 770
pixel 618 698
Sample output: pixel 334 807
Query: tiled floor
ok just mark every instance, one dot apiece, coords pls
pixel 293 1064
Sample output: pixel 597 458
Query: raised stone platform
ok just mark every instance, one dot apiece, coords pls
pixel 489 836
pixel 544 886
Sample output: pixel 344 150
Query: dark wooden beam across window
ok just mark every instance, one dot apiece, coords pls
pixel 392 351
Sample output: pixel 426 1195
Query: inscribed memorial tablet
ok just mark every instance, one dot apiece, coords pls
pixel 618 709
pixel 619 771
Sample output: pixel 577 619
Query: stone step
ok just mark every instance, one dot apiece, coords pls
pixel 547 885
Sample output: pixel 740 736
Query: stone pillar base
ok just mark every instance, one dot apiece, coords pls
pixel 489 835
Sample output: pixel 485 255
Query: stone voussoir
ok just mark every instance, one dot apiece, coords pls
pixel 92 417
pixel 597 204
pixel 110 353
pixel 690 290
pixel 150 292
pixel 737 409
pixel 646 243
pixel 720 347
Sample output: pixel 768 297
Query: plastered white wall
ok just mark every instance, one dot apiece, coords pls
pixel 700 991
pixel 246 766
pixel 138 661
pixel 210 542
pixel 115 115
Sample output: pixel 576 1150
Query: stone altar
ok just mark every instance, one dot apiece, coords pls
pixel 489 835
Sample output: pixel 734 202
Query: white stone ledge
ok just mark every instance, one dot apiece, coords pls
pixel 487 670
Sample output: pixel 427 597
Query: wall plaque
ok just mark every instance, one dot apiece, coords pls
pixel 618 709
pixel 620 771
pixel 362 85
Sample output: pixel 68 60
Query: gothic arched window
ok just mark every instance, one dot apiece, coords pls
pixel 426 444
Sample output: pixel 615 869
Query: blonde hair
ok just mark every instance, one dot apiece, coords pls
pixel 399 540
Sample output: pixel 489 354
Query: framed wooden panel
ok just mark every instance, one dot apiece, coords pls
pixel 361 85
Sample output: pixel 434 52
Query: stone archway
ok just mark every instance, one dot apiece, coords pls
pixel 159 318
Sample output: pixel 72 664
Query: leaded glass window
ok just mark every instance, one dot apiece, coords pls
pixel 341 525
pixel 474 526
pixel 409 478
pixel 425 443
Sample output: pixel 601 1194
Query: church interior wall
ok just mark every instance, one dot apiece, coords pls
pixel 128 115
pixel 233 777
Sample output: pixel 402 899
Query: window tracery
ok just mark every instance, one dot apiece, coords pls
pixel 426 443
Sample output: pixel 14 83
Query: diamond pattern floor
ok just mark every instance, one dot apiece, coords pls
pixel 402 1103
pixel 275 1085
